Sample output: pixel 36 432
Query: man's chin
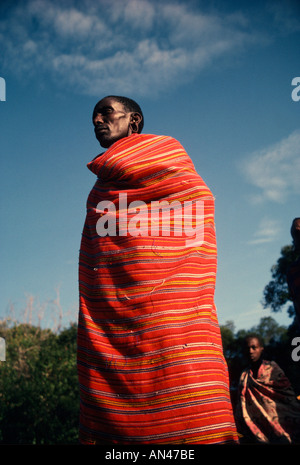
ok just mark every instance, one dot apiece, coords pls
pixel 104 141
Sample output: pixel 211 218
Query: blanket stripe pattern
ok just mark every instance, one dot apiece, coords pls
pixel 150 361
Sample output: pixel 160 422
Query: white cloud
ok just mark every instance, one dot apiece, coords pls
pixel 267 231
pixel 137 46
pixel 274 171
pixel 139 14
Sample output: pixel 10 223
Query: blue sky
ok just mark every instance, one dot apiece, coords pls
pixel 215 75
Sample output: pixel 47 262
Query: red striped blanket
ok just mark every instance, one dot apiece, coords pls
pixel 150 361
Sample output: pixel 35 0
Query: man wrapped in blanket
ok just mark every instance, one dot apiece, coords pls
pixel 150 360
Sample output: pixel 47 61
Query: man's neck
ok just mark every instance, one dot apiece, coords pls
pixel 255 366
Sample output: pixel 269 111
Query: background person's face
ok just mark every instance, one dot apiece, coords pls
pixel 111 121
pixel 254 349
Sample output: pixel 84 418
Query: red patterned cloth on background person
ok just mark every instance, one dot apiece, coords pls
pixel 150 360
pixel 268 410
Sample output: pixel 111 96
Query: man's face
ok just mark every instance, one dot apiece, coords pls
pixel 111 121
pixel 254 349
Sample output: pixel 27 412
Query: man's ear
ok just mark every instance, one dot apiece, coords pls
pixel 135 121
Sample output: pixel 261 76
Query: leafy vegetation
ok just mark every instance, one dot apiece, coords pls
pixel 39 396
pixel 276 294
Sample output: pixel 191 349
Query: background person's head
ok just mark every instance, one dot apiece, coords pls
pixel 254 347
pixel 295 233
pixel 115 117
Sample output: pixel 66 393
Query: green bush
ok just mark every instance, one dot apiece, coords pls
pixel 39 395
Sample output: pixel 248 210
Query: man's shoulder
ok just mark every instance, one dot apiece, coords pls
pixel 155 136
pixel 153 139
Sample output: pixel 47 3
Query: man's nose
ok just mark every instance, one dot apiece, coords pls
pixel 98 119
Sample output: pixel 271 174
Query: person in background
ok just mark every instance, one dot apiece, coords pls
pixel 293 273
pixel 268 411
